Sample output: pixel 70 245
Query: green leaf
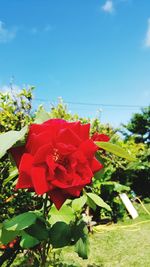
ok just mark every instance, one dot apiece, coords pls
pixel 116 150
pixel 98 201
pixel 12 174
pixel 80 236
pixel 38 230
pixel 78 203
pixel 41 116
pixel 8 139
pixel 91 203
pixel 7 236
pixel 78 230
pixel 82 248
pixel 20 222
pixel 114 186
pixel 28 241
pixel 60 235
pixel 65 214
pixel 121 188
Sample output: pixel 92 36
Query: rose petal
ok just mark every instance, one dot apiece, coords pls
pixel 39 180
pixel 84 131
pixel 58 197
pixel 42 153
pixel 67 136
pixel 65 149
pixel 17 153
pixel 35 141
pixel 100 137
pixel 88 148
pixel 96 165
pixel 24 179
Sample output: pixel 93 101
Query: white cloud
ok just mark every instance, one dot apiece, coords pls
pixel 6 35
pixel 147 38
pixel 9 88
pixel 108 7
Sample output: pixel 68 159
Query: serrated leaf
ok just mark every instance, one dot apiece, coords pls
pixel 28 241
pixel 60 235
pixel 98 201
pixel 20 222
pixel 8 139
pixel 65 214
pixel 41 116
pixel 116 150
pixel 78 203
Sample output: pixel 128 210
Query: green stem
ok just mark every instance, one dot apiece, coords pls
pixel 45 206
pixel 44 251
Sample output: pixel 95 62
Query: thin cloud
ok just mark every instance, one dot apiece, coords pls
pixel 9 88
pixel 108 7
pixel 34 30
pixel 6 35
pixel 45 29
pixel 147 38
pixel 48 28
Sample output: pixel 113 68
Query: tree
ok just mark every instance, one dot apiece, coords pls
pixel 139 127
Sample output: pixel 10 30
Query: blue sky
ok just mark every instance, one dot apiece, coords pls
pixel 86 51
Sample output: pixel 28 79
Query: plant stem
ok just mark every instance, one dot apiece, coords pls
pixel 44 252
pixel 45 206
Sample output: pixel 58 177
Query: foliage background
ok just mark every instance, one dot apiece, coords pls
pixel 16 112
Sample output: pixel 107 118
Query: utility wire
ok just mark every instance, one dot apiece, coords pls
pixel 93 104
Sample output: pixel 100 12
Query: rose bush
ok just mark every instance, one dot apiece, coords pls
pixel 58 158
pixel 100 137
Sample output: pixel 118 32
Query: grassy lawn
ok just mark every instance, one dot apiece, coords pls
pixel 125 244
pixel 118 246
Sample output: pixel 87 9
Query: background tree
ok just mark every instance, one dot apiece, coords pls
pixel 139 126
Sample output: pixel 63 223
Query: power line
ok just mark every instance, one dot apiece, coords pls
pixel 93 104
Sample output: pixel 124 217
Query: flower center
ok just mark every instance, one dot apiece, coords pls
pixel 56 155
pixel 60 159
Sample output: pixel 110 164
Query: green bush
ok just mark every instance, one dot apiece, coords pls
pixel 15 113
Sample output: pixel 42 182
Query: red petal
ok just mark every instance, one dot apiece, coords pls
pixel 42 153
pixel 24 181
pixel 75 191
pixel 39 180
pixel 67 136
pixel 96 165
pixel 17 153
pixel 84 131
pixel 26 163
pixel 88 148
pixel 65 149
pixel 35 141
pixel 57 197
pixel 100 137
pixel 54 122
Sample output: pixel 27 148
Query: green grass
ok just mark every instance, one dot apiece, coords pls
pixel 125 244
pixel 117 246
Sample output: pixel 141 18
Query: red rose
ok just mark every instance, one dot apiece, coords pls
pixel 100 137
pixel 58 158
